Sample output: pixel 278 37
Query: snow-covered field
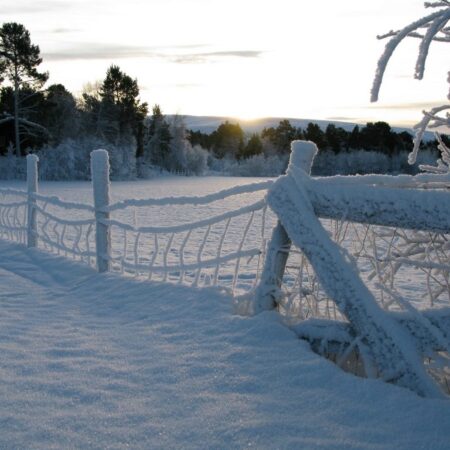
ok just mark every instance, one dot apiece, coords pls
pixel 105 361
pixel 165 186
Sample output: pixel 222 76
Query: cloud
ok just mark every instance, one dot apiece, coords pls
pixel 27 7
pixel 91 51
pixel 194 58
pixel 342 119
pixel 64 30
pixel 187 85
pixel 409 106
pixel 171 86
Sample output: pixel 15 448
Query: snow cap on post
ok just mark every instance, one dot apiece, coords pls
pixel 100 182
pixel 302 155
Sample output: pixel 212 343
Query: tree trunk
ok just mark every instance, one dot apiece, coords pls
pixel 16 118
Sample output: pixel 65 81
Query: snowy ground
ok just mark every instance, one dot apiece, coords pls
pixel 103 361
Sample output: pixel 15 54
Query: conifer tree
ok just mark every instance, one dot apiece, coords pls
pixel 121 113
pixel 157 145
pixel 19 60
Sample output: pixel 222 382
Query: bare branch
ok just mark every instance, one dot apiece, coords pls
pixel 28 123
pixel 6 119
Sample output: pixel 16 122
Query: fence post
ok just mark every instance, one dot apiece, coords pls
pixel 32 188
pixel 268 291
pixel 100 184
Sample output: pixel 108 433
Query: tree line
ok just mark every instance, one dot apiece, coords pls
pixel 229 139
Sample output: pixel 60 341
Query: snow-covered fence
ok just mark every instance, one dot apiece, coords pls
pixel 13 215
pixel 219 248
pixel 325 273
pixel 44 221
pixel 223 246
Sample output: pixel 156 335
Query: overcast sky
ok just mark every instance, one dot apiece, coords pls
pixel 241 58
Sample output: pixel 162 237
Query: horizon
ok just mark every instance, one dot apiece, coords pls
pixel 295 60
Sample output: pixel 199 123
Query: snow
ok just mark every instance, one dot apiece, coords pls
pixel 102 361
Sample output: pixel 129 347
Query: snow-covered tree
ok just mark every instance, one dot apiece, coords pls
pixel 157 140
pixel 433 27
pixel 179 145
pixel 192 160
pixel 19 60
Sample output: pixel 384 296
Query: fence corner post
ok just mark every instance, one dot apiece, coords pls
pixel 32 188
pixel 268 291
pixel 100 184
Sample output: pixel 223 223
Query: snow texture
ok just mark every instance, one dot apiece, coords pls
pixel 101 361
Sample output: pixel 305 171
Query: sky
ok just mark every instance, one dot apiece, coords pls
pixel 240 58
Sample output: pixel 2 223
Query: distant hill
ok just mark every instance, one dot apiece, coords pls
pixel 208 124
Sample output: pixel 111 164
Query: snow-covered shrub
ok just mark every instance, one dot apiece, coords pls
pixel 182 156
pixel 365 162
pixel 146 170
pixel 196 160
pixel 256 166
pixel 329 163
pixel 12 167
pixel 70 160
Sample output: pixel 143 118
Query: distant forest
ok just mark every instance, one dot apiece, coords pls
pixel 229 138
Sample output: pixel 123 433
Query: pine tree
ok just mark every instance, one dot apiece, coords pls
pixel 157 145
pixel 121 113
pixel 60 114
pixel 228 139
pixel 254 147
pixel 18 64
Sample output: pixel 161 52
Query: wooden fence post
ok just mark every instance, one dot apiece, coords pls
pixel 32 188
pixel 302 156
pixel 100 183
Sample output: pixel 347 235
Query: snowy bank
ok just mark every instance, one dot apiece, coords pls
pixel 102 361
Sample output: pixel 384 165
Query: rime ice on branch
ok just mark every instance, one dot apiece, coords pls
pixel 432 27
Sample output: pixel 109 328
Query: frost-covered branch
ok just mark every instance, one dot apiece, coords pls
pixel 430 119
pixel 436 21
pixel 435 29
pixel 445 38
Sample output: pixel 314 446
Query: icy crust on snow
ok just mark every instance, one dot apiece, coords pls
pixel 391 347
pixel 102 361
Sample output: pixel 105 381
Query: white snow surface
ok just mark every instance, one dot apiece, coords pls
pixel 102 361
